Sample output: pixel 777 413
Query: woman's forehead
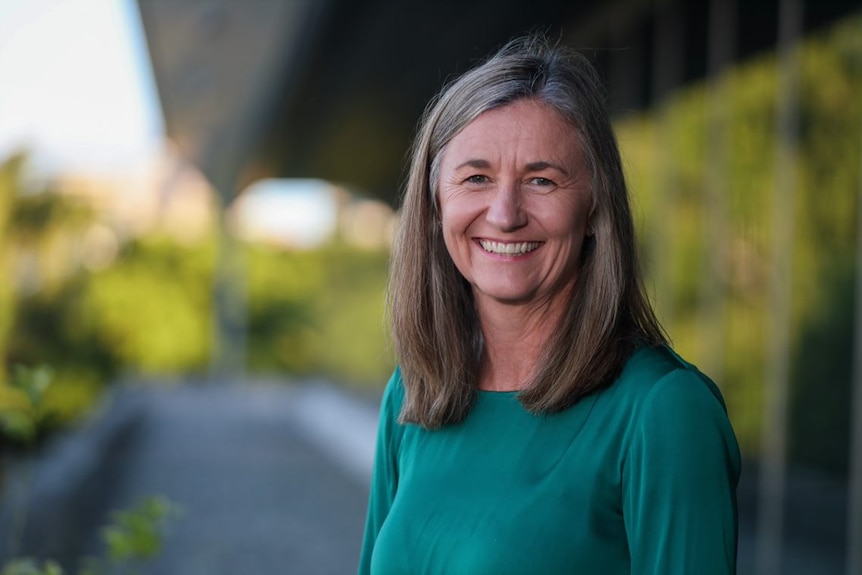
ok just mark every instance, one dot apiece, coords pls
pixel 529 131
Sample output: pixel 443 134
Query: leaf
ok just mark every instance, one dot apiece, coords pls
pixel 135 533
pixel 28 566
pixel 32 381
pixel 18 425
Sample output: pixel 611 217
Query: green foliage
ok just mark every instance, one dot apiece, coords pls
pixel 281 316
pixel 667 153
pixel 132 537
pixel 40 232
pixel 319 312
pixel 820 394
pixel 23 420
pixel 136 534
pixel 30 567
pixel 150 311
pixel 352 342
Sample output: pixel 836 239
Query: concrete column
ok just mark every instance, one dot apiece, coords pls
pixel 716 218
pixel 668 54
pixel 229 303
pixel 773 456
pixel 854 495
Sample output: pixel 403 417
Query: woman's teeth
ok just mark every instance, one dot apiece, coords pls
pixel 512 249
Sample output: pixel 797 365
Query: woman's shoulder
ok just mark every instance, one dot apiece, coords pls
pixel 671 407
pixel 658 372
pixel 393 394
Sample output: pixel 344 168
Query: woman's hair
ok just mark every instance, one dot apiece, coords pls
pixel 435 328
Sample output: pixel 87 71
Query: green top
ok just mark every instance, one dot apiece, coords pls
pixel 639 478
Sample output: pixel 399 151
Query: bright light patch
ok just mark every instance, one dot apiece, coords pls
pixel 300 213
pixel 77 87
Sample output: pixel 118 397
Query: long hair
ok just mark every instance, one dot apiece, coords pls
pixel 435 328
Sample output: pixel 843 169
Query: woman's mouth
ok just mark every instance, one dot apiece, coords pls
pixel 507 248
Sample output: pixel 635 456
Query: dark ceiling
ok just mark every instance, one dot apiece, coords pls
pixel 344 101
pixel 371 70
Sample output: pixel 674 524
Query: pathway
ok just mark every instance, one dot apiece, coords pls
pixel 269 479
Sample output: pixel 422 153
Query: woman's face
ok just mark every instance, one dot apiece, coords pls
pixel 515 197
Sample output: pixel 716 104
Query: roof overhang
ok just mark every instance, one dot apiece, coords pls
pixel 333 88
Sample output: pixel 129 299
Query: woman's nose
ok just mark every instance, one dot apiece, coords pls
pixel 505 210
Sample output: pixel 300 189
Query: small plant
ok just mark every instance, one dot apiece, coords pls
pixel 30 567
pixel 23 420
pixel 133 536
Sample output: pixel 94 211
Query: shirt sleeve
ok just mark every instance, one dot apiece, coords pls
pixel 679 481
pixel 384 477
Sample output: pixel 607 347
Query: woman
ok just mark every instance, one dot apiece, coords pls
pixel 538 422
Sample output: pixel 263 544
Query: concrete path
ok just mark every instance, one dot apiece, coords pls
pixel 269 479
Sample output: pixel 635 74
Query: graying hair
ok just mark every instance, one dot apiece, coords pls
pixel 435 329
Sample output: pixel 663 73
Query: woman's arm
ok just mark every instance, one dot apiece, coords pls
pixel 679 481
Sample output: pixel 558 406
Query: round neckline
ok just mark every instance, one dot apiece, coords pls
pixel 493 393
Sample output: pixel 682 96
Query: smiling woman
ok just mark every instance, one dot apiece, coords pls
pixel 538 422
pixel 515 219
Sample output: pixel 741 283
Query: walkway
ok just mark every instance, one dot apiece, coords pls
pixel 269 479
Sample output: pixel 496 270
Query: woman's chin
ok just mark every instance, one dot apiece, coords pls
pixel 505 295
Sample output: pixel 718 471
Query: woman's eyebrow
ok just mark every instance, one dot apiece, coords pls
pixel 476 163
pixel 531 167
pixel 539 166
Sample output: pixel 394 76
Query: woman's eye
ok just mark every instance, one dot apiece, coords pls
pixel 477 179
pixel 541 182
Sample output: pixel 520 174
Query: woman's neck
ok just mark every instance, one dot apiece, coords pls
pixel 514 339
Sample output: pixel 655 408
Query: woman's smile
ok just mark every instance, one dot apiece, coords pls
pixel 508 248
pixel 515 197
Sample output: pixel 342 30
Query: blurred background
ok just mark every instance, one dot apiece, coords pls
pixel 197 201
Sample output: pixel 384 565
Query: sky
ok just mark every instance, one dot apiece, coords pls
pixel 77 92
pixel 301 212
pixel 76 88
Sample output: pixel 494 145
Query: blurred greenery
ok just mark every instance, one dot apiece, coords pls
pixel 132 537
pixel 31 567
pixel 25 419
pixel 149 311
pixel 318 312
pixel 136 534
pixel 667 152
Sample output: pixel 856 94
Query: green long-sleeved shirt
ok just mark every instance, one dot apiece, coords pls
pixel 639 478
